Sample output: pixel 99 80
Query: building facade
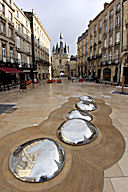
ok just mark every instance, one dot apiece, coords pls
pixel 60 58
pixel 24 45
pixel 7 42
pixel 40 46
pixel 104 46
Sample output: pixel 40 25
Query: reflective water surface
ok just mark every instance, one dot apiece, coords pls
pixel 77 132
pixel 86 106
pixel 86 98
pixel 37 161
pixel 79 114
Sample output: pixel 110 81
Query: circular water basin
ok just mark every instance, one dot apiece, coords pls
pixel 37 161
pixel 80 115
pixel 86 98
pixel 77 132
pixel 86 106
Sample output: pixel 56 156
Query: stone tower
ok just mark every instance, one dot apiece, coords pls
pixel 60 58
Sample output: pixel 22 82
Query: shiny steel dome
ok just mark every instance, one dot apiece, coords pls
pixel 77 132
pixel 37 161
pixel 79 114
pixel 86 98
pixel 86 106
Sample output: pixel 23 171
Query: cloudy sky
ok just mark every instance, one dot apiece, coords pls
pixel 71 17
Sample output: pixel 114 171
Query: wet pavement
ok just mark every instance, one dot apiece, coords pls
pixel 35 105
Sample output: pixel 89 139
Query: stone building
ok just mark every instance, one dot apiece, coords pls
pixel 40 46
pixel 103 49
pixel 71 67
pixel 8 59
pixel 124 69
pixel 60 58
pixel 24 45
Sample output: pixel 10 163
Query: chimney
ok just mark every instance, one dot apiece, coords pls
pixel 106 5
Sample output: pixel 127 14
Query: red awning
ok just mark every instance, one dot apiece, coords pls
pixel 10 70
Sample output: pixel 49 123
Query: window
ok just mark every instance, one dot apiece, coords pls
pixel 116 54
pixel 60 61
pixel 100 50
pixel 37 30
pixel 3 28
pixel 17 13
pixel 95 39
pixel 91 43
pixel 4 52
pixel 117 37
pixel 18 41
pixel 111 25
pixel 110 56
pixel 10 33
pixel 11 54
pixel 100 24
pixel 118 8
pixel 28 60
pixel 105 43
pixel 95 52
pixel 95 28
pixel 26 24
pixel 118 21
pixel 19 59
pixel 2 9
pixel 91 32
pixel 105 29
pixel 110 40
pixel 9 16
pixel 105 18
pixel 27 47
pixel 10 1
pixel 91 55
pixel 100 37
pixel 105 57
pixel 111 13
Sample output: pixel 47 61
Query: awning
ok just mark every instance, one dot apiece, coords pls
pixel 10 70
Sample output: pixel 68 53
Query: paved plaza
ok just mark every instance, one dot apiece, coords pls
pixel 39 111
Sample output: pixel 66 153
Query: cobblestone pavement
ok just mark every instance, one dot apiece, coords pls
pixel 34 106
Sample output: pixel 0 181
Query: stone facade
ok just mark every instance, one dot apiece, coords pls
pixel 24 45
pixel 60 59
pixel 102 52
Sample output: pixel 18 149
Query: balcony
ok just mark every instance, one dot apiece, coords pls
pixel 117 43
pixel 39 60
pixel 99 55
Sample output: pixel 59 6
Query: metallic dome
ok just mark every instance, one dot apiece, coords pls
pixel 37 161
pixel 86 98
pixel 86 106
pixel 77 132
pixel 79 114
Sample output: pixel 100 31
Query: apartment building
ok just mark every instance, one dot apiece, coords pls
pixel 40 46
pixel 104 47
pixel 124 67
pixel 8 61
pixel 82 52
pixel 23 44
